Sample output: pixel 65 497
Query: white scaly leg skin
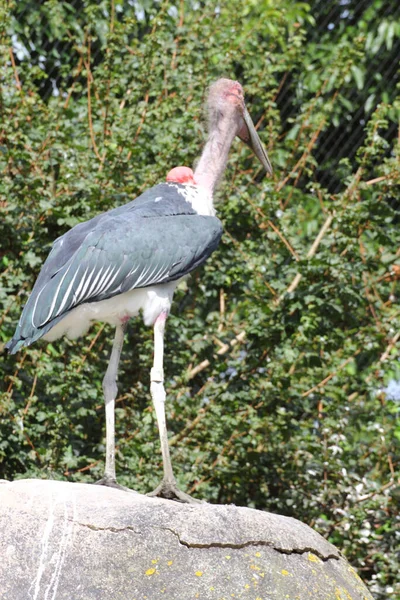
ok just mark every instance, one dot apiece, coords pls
pixel 110 393
pixel 168 487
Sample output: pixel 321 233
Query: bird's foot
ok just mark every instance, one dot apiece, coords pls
pixel 169 490
pixel 112 482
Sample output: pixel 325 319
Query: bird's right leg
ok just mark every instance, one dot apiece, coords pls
pixel 110 392
pixel 168 487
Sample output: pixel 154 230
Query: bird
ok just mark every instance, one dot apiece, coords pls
pixel 131 259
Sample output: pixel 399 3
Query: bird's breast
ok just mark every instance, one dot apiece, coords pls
pixel 151 301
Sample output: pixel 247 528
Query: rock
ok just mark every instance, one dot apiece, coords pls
pixel 73 541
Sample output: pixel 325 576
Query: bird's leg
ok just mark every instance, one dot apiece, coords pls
pixel 168 487
pixel 110 392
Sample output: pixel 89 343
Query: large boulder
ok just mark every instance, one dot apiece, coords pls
pixel 73 541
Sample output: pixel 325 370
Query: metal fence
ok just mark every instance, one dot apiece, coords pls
pixel 331 17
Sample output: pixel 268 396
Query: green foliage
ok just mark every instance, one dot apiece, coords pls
pixel 98 100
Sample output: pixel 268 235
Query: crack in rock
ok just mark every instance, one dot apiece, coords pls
pixel 253 543
pixel 112 529
pixel 205 546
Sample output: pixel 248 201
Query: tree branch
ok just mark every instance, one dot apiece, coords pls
pixel 312 251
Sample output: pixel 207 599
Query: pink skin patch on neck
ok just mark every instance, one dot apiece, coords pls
pixel 181 175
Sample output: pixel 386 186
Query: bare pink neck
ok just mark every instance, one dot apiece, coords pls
pixel 214 157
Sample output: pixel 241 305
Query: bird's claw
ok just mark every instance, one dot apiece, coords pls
pixel 170 491
pixel 112 482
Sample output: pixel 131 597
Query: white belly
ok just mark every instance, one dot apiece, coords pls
pixel 151 300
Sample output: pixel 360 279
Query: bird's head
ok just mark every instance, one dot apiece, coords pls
pixel 180 175
pixel 226 100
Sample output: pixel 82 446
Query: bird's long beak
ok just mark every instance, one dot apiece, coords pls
pixel 249 136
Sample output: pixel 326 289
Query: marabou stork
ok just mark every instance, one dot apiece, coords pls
pixel 131 259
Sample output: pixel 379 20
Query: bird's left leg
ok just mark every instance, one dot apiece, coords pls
pixel 110 392
pixel 168 487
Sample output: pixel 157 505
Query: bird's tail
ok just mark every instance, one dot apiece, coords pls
pixel 14 345
pixel 18 341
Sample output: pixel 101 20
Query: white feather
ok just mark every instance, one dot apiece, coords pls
pixel 109 283
pixel 105 282
pixel 80 286
pixel 95 283
pixel 199 198
pixel 67 293
pixel 50 313
pixel 34 308
pixel 149 277
pixel 141 277
pixel 87 282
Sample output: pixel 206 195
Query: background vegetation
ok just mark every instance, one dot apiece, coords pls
pixel 282 352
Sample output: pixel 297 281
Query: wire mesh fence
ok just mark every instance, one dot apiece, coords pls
pixel 34 38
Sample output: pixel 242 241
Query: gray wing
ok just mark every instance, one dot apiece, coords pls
pixel 119 252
